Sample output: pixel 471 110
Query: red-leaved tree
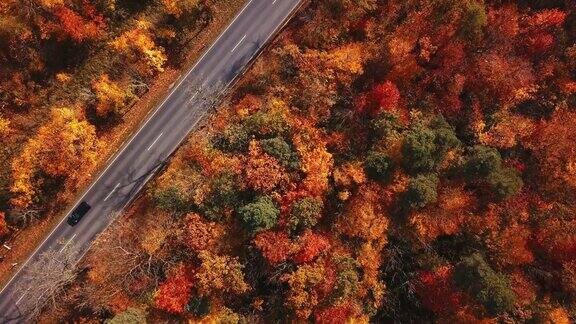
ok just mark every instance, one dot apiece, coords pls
pixel 437 291
pixel 75 26
pixel 274 246
pixel 383 97
pixel 338 314
pixel 310 246
pixel 174 293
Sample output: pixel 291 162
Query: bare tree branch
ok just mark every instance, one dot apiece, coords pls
pixel 45 278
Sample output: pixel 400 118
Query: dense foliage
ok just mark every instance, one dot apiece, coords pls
pixel 392 161
pixel 71 70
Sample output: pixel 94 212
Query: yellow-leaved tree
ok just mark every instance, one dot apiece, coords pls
pixel 65 147
pixel 4 127
pixel 110 97
pixel 304 292
pixel 220 275
pixel 50 3
pixel 140 49
pixel 178 7
pixel 316 161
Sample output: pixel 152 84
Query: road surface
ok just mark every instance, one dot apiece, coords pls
pixel 159 136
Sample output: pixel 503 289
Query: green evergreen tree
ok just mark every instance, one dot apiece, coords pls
pixel 474 19
pixel 278 148
pixel 419 150
pixel 224 194
pixel 233 139
pixel 488 287
pixel 505 182
pixel 260 215
pixel 378 166
pixel 445 137
pixel 482 161
pixel 170 199
pixel 421 191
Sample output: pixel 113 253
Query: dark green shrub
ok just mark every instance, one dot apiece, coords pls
pixel 446 138
pixel 419 150
pixel 129 316
pixel 233 139
pixel 421 191
pixel 170 199
pixel 223 195
pixel 260 215
pixel 378 166
pixel 488 287
pixel 278 148
pixel 505 182
pixel 385 125
pixel 267 123
pixel 482 161
pixel 474 19
pixel 347 278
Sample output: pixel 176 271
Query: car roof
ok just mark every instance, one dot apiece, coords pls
pixel 83 207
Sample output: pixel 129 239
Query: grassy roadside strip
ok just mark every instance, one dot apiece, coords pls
pixel 27 239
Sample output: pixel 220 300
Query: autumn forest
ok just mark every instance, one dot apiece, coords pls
pixel 386 161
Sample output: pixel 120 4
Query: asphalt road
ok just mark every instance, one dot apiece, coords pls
pixel 159 136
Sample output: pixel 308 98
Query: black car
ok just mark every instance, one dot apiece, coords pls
pixel 78 213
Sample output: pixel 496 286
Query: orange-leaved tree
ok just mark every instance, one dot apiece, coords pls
pixel 364 216
pixel 263 172
pixel 5 128
pixel 316 161
pixel 339 314
pixel 200 235
pixel 511 246
pixel 554 146
pixel 310 245
pixel 4 229
pixel 556 239
pixel 63 148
